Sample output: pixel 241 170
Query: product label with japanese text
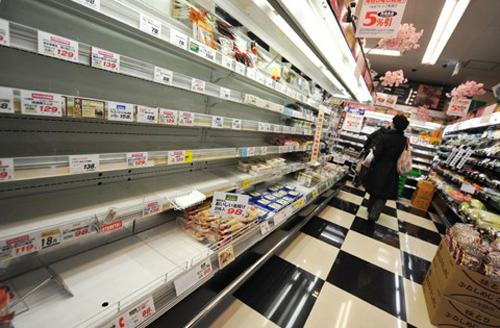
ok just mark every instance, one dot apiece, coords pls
pixel 39 103
pixel 105 60
pixel 168 116
pixel 150 25
pixel 79 164
pixel 147 114
pixel 163 76
pixel 120 112
pixel 226 204
pixel 58 47
pixel 380 18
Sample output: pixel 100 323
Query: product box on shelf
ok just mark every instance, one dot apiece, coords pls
pixel 445 311
pixel 466 286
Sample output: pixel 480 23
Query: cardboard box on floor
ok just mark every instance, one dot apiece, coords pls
pixel 466 286
pixel 425 190
pixel 447 312
pixel 420 203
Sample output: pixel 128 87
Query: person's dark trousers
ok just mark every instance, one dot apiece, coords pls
pixel 375 207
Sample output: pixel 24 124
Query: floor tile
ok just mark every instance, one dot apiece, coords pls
pixel 419 232
pixel 417 247
pixel 337 216
pixel 373 251
pixel 413 210
pixel 354 191
pixel 282 292
pixel 240 315
pixel 347 196
pixel 310 254
pixel 414 267
pixel 416 220
pixel 384 219
pixel 369 282
pixel 325 231
pixel 344 205
pixel 387 209
pixel 416 310
pixel 376 231
pixel 391 203
pixel 441 228
pixel 349 184
pixel 336 308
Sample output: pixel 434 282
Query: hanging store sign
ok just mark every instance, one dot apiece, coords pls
pixel 459 107
pixel 380 18
pixel 226 204
pixel 354 120
pixel 39 103
pixel 317 137
pixel 4 33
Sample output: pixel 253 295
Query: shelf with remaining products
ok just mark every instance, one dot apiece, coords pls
pixel 26 38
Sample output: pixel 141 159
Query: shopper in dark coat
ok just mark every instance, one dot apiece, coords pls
pixel 383 179
pixel 372 140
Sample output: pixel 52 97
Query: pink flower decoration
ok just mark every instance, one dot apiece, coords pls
pixel 406 39
pixel 394 78
pixel 423 113
pixel 467 89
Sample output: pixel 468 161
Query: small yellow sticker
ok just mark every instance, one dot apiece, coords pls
pixel 314 194
pixel 300 203
pixel 188 157
pixel 246 183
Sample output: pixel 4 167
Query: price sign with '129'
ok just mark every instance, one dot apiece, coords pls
pixel 58 47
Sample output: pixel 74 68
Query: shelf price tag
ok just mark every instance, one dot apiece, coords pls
pixel 279 218
pixel 245 183
pixel 151 208
pixel 79 164
pixel 93 4
pixel 147 114
pixel 176 157
pixel 137 159
pixel 251 151
pixel 6 100
pixel 263 150
pixel 207 52
pixel 196 274
pixel 110 227
pixel 251 73
pixel 468 188
pixel 178 39
pixel 225 256
pixel 4 33
pixel 120 112
pixel 19 246
pixel 6 169
pixel 277 128
pixel 150 25
pixel 163 76
pixel 50 238
pixel 186 118
pixel 282 149
pixel 239 68
pixel 250 99
pixel 167 116
pixel 105 60
pixel 260 77
pixel 314 194
pixel 75 230
pixel 227 62
pixel 225 93
pixel 236 124
pixel 217 122
pixel 264 127
pixel 198 85
pixel 58 47
pixel 229 204
pixel 264 227
pixel 140 312
pixel 269 82
pixel 42 104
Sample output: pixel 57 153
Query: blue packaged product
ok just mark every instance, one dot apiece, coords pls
pixel 293 194
pixel 289 187
pixel 280 194
pixel 270 198
pixel 255 195
pixel 263 202
pixel 287 199
pixel 275 207
pixel 273 189
pixel 282 202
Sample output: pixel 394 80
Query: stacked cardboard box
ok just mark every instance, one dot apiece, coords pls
pixel 422 197
pixel 458 297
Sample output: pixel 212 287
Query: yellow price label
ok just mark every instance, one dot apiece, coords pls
pixel 300 203
pixel 188 157
pixel 314 194
pixel 245 183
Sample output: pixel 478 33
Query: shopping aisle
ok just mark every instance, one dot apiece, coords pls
pixel 341 271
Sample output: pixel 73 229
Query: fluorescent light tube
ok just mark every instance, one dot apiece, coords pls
pixel 448 20
pixel 382 52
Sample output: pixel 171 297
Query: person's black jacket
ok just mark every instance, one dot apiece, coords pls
pixel 383 178
pixel 374 138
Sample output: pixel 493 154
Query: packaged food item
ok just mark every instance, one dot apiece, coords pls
pixel 274 207
pixel 290 187
pixel 492 272
pixel 293 194
pixel 270 198
pixel 282 202
pixel 263 202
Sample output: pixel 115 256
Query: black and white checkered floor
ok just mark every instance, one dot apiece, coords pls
pixel 344 272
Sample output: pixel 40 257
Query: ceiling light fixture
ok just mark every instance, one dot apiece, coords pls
pixel 382 52
pixel 448 20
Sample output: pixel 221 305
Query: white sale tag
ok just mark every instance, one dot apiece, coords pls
pixel 269 82
pixel 40 103
pixel 277 128
pixel 19 246
pixel 137 159
pixel 226 204
pixel 6 100
pixel 176 157
pixel 227 62
pixel 120 112
pixel 105 60
pixel 75 230
pixel 239 68
pixel 147 114
pixel 178 39
pixel 251 151
pixel 264 127
pixel 151 208
pixel 150 25
pixel 198 85
pixel 94 4
pixel 468 188
pixel 79 164
pixel 163 76
pixel 236 124
pixel 251 72
pixel 217 122
pixel 225 93
pixel 207 52
pixel 50 238
pixel 260 77
pixel 55 46
pixel 263 150
pixel 141 312
pixel 279 218
pixel 264 227
pixel 168 116
pixel 4 33
pixel 6 169
pixel 197 273
pixel 186 118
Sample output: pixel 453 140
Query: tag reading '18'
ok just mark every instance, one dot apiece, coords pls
pixel 6 100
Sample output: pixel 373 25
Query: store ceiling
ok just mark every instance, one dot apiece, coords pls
pixel 475 43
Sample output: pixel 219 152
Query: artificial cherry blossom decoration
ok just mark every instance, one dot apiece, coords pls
pixel 423 113
pixel 467 89
pixel 394 78
pixel 406 39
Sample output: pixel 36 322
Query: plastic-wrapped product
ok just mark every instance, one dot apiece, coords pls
pixel 492 272
pixel 469 261
pixel 495 245
pixel 274 207
pixel 493 258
